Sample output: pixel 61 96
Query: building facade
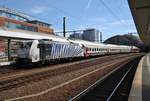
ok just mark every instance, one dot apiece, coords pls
pixel 91 35
pixel 76 36
pixel 12 19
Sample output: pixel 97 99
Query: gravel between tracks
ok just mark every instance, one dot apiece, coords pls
pixel 14 72
pixel 19 79
pixel 48 83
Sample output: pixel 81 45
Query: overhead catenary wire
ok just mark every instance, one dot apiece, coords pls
pixel 112 13
pixel 62 11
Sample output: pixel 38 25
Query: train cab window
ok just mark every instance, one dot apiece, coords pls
pixel 25 44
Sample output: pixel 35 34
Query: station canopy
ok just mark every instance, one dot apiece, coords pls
pixel 26 35
pixel 141 14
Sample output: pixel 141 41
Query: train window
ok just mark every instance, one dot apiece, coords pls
pixel 29 44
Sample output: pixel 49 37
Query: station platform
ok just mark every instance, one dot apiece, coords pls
pixel 140 90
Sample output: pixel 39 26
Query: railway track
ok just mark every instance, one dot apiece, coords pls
pixel 10 70
pixel 4 70
pixel 67 89
pixel 114 87
pixel 77 82
pixel 15 67
pixel 19 79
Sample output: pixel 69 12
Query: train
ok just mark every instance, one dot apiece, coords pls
pixel 54 48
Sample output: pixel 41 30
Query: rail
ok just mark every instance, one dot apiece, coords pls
pixel 110 96
pixel 114 89
pixel 92 86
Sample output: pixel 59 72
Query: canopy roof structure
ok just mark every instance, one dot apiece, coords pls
pixel 27 35
pixel 140 10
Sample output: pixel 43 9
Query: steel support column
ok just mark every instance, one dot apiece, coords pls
pixel 8 47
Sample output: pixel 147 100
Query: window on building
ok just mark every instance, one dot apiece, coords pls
pixel 19 26
pixel 12 16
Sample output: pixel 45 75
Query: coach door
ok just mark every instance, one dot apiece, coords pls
pixel 41 46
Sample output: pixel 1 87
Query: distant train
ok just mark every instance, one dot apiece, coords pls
pixel 42 50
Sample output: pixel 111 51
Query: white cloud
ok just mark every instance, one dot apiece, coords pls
pixel 96 26
pixel 88 5
pixel 123 21
pixel 96 20
pixel 38 9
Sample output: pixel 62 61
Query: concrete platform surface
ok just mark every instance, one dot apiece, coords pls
pixel 140 90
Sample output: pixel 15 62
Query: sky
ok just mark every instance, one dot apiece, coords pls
pixel 111 17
